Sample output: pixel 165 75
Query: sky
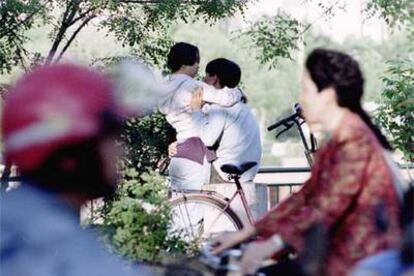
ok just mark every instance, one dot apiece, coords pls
pixel 350 21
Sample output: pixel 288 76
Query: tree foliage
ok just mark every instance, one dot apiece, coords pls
pixel 275 38
pixel 278 37
pixel 146 141
pixel 140 24
pixel 16 17
pixel 395 13
pixel 396 113
pixel 137 221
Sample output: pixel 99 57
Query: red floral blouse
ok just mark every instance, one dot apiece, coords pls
pixel 349 180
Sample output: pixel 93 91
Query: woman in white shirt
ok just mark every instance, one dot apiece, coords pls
pixel 190 167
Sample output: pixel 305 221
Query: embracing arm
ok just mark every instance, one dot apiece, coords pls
pixel 210 125
pixel 224 97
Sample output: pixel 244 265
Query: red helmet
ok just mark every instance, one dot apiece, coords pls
pixel 52 107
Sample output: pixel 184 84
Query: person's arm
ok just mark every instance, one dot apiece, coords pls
pixel 224 97
pixel 230 239
pixel 338 186
pixel 211 125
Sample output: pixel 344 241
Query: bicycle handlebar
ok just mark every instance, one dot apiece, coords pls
pixel 227 261
pixel 285 121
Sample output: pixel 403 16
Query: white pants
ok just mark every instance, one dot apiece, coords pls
pixel 187 174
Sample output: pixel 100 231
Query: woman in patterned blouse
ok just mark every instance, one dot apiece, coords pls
pixel 352 184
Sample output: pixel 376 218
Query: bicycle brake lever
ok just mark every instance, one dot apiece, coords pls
pixel 287 127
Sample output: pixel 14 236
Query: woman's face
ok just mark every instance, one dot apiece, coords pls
pixel 315 103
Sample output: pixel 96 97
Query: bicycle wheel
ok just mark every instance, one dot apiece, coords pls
pixel 197 218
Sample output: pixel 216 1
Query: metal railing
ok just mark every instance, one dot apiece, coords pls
pixel 275 189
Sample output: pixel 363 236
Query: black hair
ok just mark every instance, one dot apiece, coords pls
pixel 182 54
pixel 227 71
pixel 329 68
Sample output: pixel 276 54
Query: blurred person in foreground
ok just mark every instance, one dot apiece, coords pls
pixel 353 175
pixel 58 125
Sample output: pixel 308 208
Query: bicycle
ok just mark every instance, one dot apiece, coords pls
pixel 217 215
pixel 199 215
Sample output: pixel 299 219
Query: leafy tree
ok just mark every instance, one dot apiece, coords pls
pixel 395 112
pixel 395 13
pixel 137 221
pixel 275 37
pixel 146 141
pixel 16 17
pixel 139 24
pixel 279 36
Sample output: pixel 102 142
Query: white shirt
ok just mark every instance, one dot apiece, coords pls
pixel 175 104
pixel 238 133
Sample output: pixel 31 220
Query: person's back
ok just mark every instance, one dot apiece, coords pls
pixel 240 140
pixel 232 132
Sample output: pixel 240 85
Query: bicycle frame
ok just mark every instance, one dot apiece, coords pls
pixel 309 150
pixel 240 192
pixel 225 200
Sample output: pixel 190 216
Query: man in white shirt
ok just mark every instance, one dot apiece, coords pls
pixel 231 131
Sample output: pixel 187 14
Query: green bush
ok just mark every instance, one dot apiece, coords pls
pixel 396 112
pixel 145 141
pixel 137 220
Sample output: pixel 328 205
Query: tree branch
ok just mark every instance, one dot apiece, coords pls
pixel 325 12
pixel 68 16
pixel 82 15
pixel 75 33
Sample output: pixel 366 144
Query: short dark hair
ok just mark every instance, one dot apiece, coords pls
pixel 227 71
pixel 182 53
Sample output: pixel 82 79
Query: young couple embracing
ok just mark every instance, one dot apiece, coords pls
pixel 213 121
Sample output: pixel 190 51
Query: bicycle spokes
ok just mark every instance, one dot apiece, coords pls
pixel 197 221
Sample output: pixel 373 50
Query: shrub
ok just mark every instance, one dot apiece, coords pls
pixel 395 112
pixel 146 141
pixel 137 220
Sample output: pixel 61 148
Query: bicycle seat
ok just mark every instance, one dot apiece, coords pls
pixel 239 170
